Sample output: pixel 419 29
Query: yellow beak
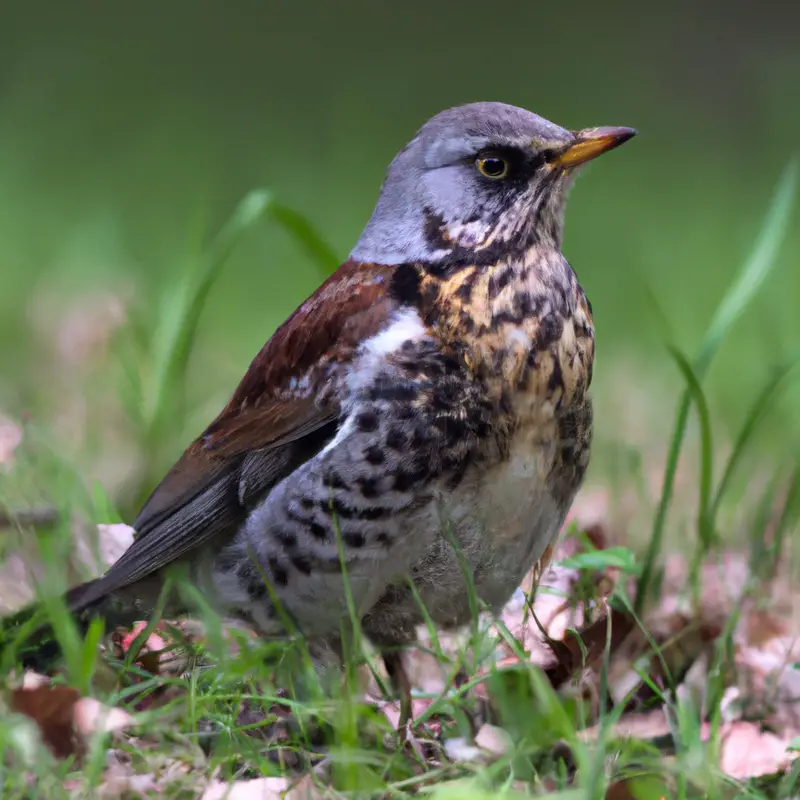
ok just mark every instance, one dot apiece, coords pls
pixel 589 144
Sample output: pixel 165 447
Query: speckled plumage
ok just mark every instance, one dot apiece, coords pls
pixel 468 410
pixel 434 387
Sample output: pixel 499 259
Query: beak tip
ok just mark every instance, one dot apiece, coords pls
pixel 590 143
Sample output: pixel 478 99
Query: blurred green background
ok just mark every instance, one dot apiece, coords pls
pixel 129 131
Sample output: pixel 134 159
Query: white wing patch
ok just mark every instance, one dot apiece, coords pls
pixel 405 325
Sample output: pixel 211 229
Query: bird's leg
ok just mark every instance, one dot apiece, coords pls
pixel 402 686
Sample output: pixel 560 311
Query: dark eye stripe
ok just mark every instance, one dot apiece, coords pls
pixel 521 165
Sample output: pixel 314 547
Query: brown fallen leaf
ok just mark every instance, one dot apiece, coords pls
pixel 573 658
pixel 64 718
pixel 52 708
pixel 620 790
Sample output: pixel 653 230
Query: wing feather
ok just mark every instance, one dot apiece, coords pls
pixel 281 414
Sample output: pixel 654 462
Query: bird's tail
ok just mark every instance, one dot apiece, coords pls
pixel 28 637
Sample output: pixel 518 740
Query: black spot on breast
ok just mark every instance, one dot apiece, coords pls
pixel 354 539
pixel 403 482
pixel 464 292
pixel 344 511
pixel 551 328
pixel 384 539
pixel 406 480
pixel 419 440
pixel 367 421
pixel 301 563
pixel 335 506
pixel 452 427
pixel 256 589
pixel 457 475
pixel 306 503
pixel 243 569
pixel 319 532
pixel 525 303
pixel 278 573
pixel 405 413
pixel 404 286
pixel 396 439
pixel 374 455
pixel 466 321
pixel 507 317
pixel 556 380
pixel 332 480
pixel 498 281
pixel 287 539
pixel 369 487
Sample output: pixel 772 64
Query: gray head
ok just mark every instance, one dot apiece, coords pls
pixel 475 179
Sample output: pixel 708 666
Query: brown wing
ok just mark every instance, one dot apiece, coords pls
pixel 279 416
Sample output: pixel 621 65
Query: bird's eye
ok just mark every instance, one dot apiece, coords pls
pixel 492 165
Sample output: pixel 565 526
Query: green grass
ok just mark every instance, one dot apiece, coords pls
pixel 195 719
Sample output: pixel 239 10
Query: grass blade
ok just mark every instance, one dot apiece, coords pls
pixel 179 323
pixel 706 449
pixel 757 413
pixel 738 297
pixel 307 236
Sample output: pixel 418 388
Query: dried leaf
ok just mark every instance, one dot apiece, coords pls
pixel 119 780
pixel 493 740
pixel 257 789
pixel 33 680
pixel 620 790
pixel 52 708
pixel 688 641
pixel 747 751
pixel 570 654
pixel 111 542
pixel 160 654
pixel 645 726
pixel 91 716
pixel 459 749
pixel 63 717
pixel 304 789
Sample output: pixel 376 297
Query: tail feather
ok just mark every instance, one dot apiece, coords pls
pixel 28 637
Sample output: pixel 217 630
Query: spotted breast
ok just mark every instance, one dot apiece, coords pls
pixel 464 422
pixel 523 332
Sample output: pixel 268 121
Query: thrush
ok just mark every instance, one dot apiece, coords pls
pixel 425 409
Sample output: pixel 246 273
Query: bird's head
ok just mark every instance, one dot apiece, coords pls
pixel 478 181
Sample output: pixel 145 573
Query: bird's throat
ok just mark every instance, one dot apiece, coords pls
pixel 520 322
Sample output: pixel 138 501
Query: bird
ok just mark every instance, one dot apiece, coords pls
pixel 416 430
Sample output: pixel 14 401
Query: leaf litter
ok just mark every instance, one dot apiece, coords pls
pixel 571 629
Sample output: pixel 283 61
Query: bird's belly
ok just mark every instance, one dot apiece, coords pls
pixel 502 518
